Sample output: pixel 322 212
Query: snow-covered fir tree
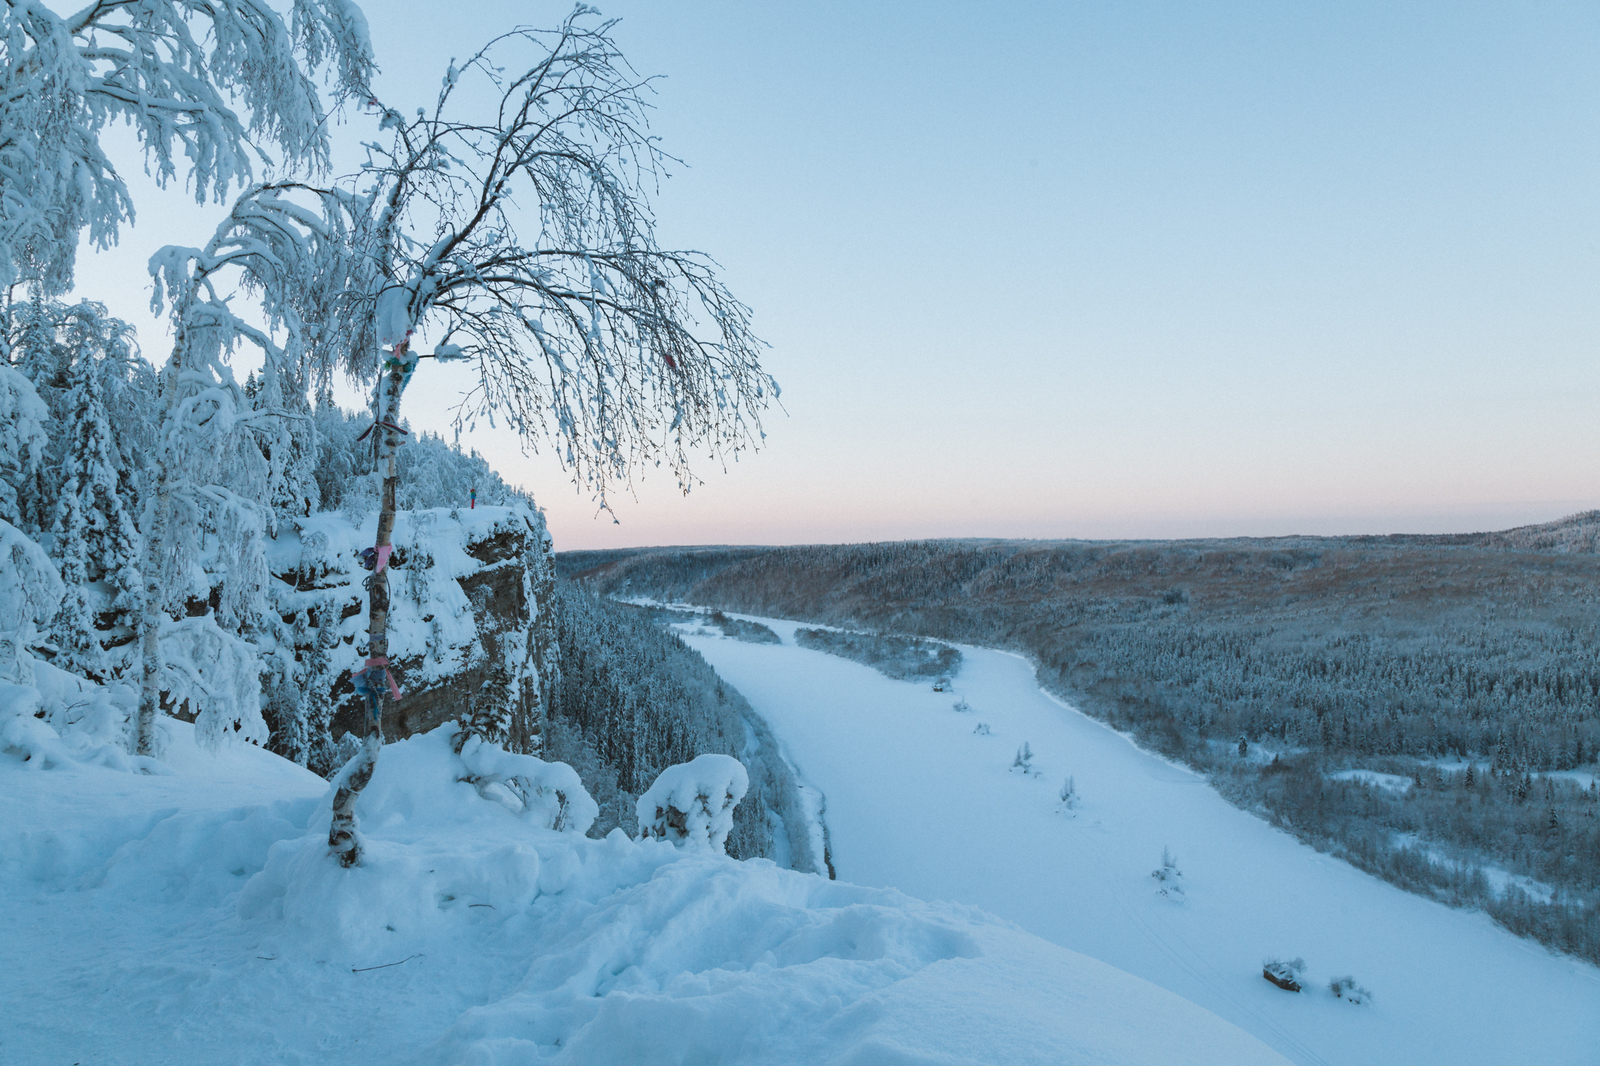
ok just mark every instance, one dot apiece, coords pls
pixel 93 536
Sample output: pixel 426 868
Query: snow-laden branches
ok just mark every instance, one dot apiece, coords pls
pixel 216 674
pixel 523 239
pixel 22 438
pixel 208 478
pixel 549 794
pixel 30 591
pixel 175 70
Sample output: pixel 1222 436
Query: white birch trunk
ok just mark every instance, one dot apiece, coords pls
pixel 343 838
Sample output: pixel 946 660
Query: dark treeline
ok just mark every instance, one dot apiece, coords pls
pixel 632 699
pixel 743 629
pixel 1415 655
pixel 891 654
pixel 733 628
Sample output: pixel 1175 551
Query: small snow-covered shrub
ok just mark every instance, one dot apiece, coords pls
pixel 961 706
pixel 550 793
pixel 61 720
pixel 1024 760
pixel 1169 879
pixel 981 729
pixel 1068 794
pixel 1347 989
pixel 1286 975
pixel 692 804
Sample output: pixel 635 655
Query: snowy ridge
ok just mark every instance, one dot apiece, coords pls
pixel 203 914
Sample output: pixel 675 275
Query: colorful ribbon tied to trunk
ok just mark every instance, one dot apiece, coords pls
pixel 376 559
pixel 368 684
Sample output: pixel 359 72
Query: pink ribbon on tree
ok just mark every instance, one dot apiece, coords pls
pixel 376 665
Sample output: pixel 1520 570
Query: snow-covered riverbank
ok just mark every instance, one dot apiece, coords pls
pixel 921 799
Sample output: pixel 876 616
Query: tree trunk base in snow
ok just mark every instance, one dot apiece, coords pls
pixel 344 838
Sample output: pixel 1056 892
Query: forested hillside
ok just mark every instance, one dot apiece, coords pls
pixel 633 699
pixel 1466 667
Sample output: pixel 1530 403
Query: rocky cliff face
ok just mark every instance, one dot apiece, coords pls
pixel 470 630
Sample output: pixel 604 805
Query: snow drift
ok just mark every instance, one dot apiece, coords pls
pixel 211 925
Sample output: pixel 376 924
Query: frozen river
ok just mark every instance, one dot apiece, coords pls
pixel 921 799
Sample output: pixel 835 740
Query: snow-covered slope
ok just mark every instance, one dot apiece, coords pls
pixel 196 918
pixel 921 800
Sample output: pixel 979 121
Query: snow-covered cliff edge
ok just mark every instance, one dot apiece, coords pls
pixel 196 918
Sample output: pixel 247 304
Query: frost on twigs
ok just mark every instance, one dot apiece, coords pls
pixel 1168 878
pixel 1347 989
pixel 692 804
pixel 207 87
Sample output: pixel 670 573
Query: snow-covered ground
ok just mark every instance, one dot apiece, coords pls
pixel 920 800
pixel 196 918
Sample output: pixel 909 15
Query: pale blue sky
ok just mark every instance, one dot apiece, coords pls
pixel 1115 269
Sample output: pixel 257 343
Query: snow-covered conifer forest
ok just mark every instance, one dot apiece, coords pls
pixel 631 699
pixel 893 654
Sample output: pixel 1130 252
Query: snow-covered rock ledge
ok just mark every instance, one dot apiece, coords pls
pixel 469 617
pixel 472 934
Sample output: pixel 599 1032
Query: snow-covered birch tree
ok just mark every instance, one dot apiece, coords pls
pixel 520 236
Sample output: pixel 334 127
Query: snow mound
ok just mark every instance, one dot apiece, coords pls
pixel 442 833
pixel 692 805
pixel 474 932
